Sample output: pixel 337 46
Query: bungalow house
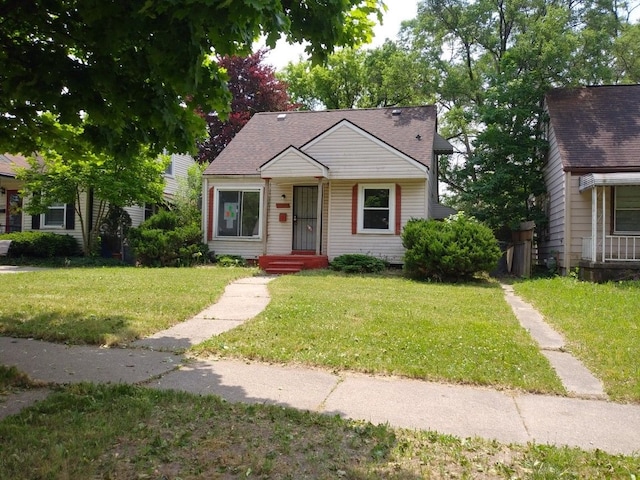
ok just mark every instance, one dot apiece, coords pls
pixel 62 218
pixel 294 190
pixel 593 181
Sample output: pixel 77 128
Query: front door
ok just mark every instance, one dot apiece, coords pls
pixel 305 221
pixel 14 211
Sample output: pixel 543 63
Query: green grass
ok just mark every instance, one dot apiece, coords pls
pixel 12 380
pixel 107 306
pixel 119 431
pixel 601 323
pixel 390 325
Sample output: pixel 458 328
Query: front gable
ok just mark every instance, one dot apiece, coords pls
pixel 293 163
pixel 351 152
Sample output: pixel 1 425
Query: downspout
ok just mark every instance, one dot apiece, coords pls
pixel 265 221
pixel 594 223
pixel 319 216
pixel 566 249
pixel 604 225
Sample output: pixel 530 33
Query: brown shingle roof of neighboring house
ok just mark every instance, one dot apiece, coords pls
pixel 265 136
pixel 8 162
pixel 597 128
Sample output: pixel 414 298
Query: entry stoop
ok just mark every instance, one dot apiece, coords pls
pixel 281 264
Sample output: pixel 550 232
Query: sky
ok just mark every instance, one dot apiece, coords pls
pixel 397 11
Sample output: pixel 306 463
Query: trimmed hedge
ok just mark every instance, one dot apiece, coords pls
pixel 41 244
pixel 161 241
pixel 358 263
pixel 457 247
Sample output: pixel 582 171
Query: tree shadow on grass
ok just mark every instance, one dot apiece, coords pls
pixel 75 327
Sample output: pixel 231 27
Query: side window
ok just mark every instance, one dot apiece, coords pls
pixel 238 213
pixel 627 210
pixel 54 216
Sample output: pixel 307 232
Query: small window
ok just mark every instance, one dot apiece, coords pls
pixel 169 170
pixel 54 216
pixel 376 208
pixel 627 210
pixel 150 209
pixel 238 213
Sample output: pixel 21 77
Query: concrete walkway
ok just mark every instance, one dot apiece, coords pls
pixel 454 409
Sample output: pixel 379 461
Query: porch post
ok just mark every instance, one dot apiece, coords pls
pixel 319 216
pixel 604 224
pixel 265 221
pixel 594 222
pixel 205 209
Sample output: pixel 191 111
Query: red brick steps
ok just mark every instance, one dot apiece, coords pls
pixel 280 264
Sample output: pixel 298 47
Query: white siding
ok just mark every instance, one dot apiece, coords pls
pixel 137 215
pixel 292 164
pixel 181 163
pixel 386 246
pixel 554 178
pixel 348 155
pixel 279 234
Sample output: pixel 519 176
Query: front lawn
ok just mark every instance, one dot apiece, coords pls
pixel 601 323
pixel 390 325
pixel 125 432
pixel 107 306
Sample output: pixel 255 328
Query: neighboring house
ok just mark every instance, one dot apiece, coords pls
pixel 296 189
pixel 10 200
pixel 62 218
pixel 593 181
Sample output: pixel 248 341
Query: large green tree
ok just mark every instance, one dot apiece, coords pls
pixel 357 78
pixel 491 63
pixel 134 72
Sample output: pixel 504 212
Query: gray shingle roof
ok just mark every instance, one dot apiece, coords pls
pixel 8 162
pixel 264 136
pixel 597 128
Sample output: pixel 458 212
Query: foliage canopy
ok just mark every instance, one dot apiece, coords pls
pixel 138 70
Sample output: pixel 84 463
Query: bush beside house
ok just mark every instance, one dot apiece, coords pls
pixel 164 241
pixel 457 247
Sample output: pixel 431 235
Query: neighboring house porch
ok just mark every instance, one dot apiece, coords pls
pixel 592 176
pixel 613 248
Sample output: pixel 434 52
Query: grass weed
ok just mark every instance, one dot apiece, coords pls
pixel 107 305
pixel 391 325
pixel 120 431
pixel 601 323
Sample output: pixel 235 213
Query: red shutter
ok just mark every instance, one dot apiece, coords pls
pixel 210 207
pixel 354 210
pixel 398 209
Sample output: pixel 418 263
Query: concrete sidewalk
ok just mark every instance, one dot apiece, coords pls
pixel 454 409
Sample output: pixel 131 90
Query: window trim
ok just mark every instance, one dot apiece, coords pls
pixel 391 229
pixel 56 206
pixel 237 188
pixel 615 212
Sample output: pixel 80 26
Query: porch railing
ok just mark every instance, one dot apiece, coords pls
pixel 617 248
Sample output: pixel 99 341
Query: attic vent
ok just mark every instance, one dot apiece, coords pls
pixel 396 112
pixel 282 116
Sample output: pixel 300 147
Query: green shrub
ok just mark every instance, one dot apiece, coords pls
pixel 162 241
pixel 230 261
pixel 457 247
pixel 41 244
pixel 358 263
